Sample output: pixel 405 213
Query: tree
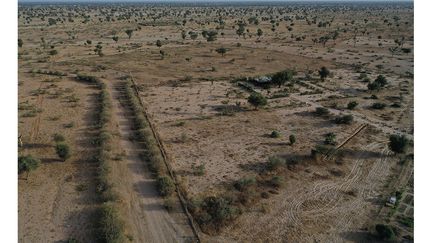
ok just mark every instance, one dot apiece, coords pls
pixel 257 99
pixel 393 50
pixel 183 34
pixel 321 111
pixel 292 139
pixel 351 105
pixel 115 38
pixel 53 52
pixel 378 83
pixel 193 35
pixel 344 119
pixel 129 33
pixel 20 42
pixel 398 143
pixel 381 80
pixel 165 185
pixel 63 151
pixel 281 77
pixel 324 73
pixel 259 32
pixel 27 163
pixel 159 43
pixel 221 50
pixel 385 232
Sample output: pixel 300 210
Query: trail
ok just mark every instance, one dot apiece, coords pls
pixel 149 220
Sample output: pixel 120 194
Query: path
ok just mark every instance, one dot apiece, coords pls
pixel 150 221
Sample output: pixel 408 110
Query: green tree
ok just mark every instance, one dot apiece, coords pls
pixel 129 33
pixel 257 99
pixel 385 232
pixel 63 151
pixel 352 105
pixel 165 185
pixel 221 50
pixel 292 139
pixel 159 43
pixel 323 73
pixel 20 43
pixel 27 163
pixel 280 78
pixel 115 38
pixel 398 143
pixel 259 32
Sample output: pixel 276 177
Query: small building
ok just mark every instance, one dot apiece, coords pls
pixel 392 200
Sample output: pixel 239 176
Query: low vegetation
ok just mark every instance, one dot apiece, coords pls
pixel 27 163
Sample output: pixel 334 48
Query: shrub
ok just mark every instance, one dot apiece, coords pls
pixel 275 134
pixel 199 170
pixel 330 139
pixel 58 138
pixel 165 185
pixel 351 105
pixel 281 77
pixel 323 72
pixel 62 151
pixel 398 143
pixel 257 99
pixel 321 111
pixel 245 183
pixel 219 210
pixel 378 106
pixel 53 52
pixel 344 119
pixel 292 139
pixel 276 181
pixel 221 51
pixel 275 162
pixel 27 163
pixel 385 232
pixel 110 227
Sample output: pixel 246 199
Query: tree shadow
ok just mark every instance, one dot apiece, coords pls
pixel 146 189
pixel 36 145
pixel 359 237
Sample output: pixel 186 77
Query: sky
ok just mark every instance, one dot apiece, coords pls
pixel 66 1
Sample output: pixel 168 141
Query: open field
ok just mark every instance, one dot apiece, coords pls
pixel 166 144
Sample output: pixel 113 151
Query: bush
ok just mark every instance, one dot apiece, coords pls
pixel 275 162
pixel 63 151
pixel 344 119
pixel 292 139
pixel 244 183
pixel 281 77
pixel 276 181
pixel 385 232
pixel 378 106
pixel 27 163
pixel 58 138
pixel 165 185
pixel 321 111
pixel 330 139
pixel 275 134
pixel 351 105
pixel 398 143
pixel 257 99
pixel 219 210
pixel 110 227
pixel 323 72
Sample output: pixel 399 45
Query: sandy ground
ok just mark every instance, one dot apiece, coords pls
pixel 51 207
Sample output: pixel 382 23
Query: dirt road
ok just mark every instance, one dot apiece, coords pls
pixel 148 219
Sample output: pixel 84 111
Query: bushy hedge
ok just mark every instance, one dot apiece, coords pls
pixel 110 227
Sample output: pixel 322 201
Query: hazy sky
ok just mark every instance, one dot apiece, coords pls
pixel 215 1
